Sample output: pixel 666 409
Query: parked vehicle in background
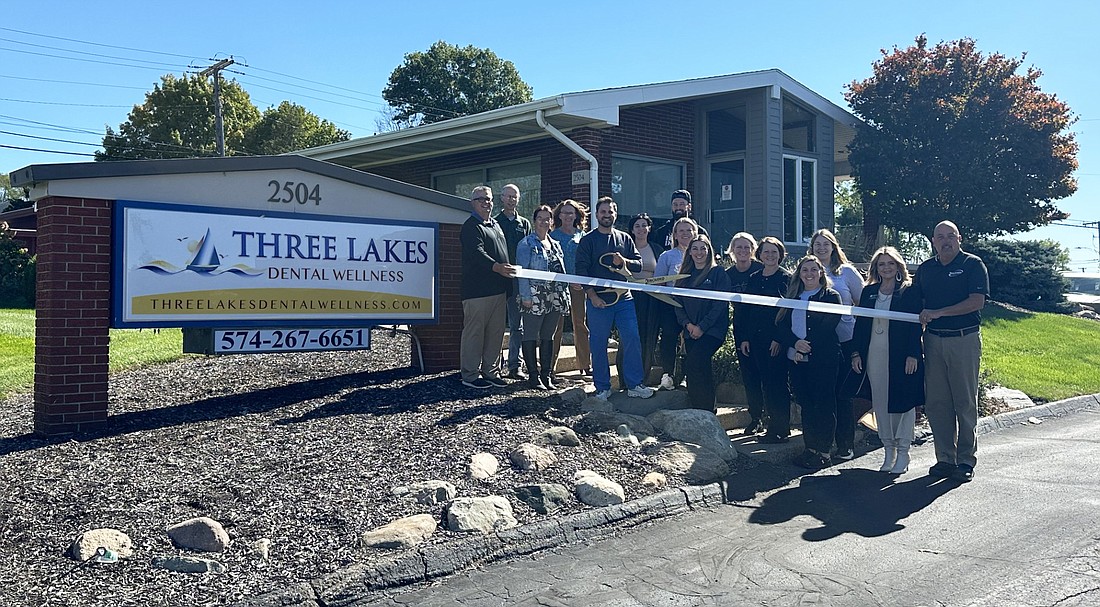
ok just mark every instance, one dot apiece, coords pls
pixel 1084 288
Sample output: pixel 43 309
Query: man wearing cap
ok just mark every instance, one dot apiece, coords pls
pixel 599 253
pixel 486 285
pixel 953 285
pixel 515 228
pixel 681 207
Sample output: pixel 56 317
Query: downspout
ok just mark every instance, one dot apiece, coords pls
pixel 593 165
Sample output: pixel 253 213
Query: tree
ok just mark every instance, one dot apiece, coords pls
pixel 448 81
pixel 177 121
pixel 954 134
pixel 11 197
pixel 290 127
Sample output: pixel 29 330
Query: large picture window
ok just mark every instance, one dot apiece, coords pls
pixel 799 199
pixel 527 175
pixel 644 185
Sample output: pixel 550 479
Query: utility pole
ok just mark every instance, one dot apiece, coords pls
pixel 218 125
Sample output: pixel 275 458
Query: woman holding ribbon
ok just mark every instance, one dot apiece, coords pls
pixel 542 302
pixel 683 232
pixel 741 249
pixel 889 352
pixel 705 322
pixel 810 341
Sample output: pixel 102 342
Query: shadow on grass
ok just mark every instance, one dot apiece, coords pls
pixel 215 408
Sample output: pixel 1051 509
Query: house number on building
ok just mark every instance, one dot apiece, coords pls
pixel 290 191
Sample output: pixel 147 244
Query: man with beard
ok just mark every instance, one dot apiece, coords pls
pixel 598 253
pixel 953 285
pixel 681 207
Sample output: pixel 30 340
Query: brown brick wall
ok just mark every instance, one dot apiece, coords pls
pixel 440 343
pixel 72 315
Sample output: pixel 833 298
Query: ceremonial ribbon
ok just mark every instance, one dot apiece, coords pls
pixel 759 300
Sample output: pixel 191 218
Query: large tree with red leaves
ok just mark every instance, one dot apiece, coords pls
pixel 954 134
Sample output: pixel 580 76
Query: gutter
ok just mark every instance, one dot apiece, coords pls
pixel 593 165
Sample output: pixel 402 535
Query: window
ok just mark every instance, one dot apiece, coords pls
pixel 798 127
pixel 641 184
pixel 799 199
pixel 726 130
pixel 526 174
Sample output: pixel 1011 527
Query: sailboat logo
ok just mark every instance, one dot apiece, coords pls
pixel 205 260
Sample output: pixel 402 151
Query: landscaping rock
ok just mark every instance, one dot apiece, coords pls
pixel 402 533
pixel 559 435
pixel 543 498
pixel 480 514
pixel 202 534
pixel 532 457
pixel 695 426
pixel 433 492
pixel 189 564
pixel 482 466
pixel 84 546
pixel 655 480
pixel 697 464
pixel 603 421
pixel 595 490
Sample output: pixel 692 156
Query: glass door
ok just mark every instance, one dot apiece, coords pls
pixel 727 201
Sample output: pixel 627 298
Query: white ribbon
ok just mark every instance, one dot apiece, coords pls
pixel 759 300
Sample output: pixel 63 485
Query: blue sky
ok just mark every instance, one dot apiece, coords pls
pixel 348 49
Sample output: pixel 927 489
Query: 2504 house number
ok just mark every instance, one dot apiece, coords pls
pixel 290 191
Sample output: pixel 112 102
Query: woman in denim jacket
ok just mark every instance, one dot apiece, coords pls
pixel 542 302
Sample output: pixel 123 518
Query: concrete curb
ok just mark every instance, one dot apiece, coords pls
pixel 353 585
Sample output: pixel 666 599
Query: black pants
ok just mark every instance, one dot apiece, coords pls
pixel 814 386
pixel 845 415
pixel 698 367
pixel 766 388
pixel 670 336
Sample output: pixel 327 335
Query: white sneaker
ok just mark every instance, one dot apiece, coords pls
pixel 667 383
pixel 640 391
pixel 606 394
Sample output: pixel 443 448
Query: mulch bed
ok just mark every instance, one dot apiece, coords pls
pixel 301 449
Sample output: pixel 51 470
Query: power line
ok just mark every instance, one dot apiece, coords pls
pixel 114 86
pixel 16 147
pixel 62 103
pixel 124 48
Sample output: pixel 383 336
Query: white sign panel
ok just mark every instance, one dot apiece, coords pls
pixel 200 266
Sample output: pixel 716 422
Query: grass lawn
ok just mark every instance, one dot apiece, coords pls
pixel 129 348
pixel 1047 356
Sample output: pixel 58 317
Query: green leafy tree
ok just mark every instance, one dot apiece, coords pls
pixel 1025 273
pixel 954 134
pixel 17 272
pixel 11 197
pixel 447 81
pixel 177 121
pixel 290 127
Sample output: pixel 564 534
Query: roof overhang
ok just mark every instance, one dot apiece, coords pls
pixel 570 111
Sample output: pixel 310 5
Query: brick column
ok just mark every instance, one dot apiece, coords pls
pixel 440 343
pixel 72 315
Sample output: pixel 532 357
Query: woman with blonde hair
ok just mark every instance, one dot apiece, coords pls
pixel 811 345
pixel 705 322
pixel 570 219
pixel 845 279
pixel 889 352
pixel 683 232
pixel 741 250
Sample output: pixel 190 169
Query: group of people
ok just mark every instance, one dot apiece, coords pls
pixel 822 357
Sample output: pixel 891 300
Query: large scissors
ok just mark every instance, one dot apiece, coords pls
pixel 627 276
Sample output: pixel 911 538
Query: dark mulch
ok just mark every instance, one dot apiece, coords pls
pixel 301 449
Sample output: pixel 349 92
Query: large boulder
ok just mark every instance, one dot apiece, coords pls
pixel 595 490
pixel 202 534
pixel 696 464
pixel 402 533
pixel 480 514
pixel 695 426
pixel 85 545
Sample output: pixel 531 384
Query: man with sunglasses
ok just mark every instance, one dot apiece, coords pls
pixel 599 254
pixel 486 285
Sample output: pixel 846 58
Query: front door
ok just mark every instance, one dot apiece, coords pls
pixel 727 201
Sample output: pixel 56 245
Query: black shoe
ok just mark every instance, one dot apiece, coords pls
pixel 496 381
pixel 942 470
pixel 516 374
pixel 478 383
pixel 754 427
pixel 812 461
pixel 845 454
pixel 964 473
pixel 773 439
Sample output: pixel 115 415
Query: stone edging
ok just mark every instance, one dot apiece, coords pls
pixel 347 586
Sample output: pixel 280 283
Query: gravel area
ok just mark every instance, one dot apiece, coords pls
pixel 301 449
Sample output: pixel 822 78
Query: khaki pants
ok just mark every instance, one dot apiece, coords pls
pixel 483 322
pixel 580 331
pixel 951 395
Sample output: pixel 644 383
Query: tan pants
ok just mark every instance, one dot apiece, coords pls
pixel 483 323
pixel 951 395
pixel 580 331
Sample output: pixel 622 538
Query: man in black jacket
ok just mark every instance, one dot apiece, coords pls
pixel 681 207
pixel 486 286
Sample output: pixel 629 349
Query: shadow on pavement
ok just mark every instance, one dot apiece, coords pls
pixel 860 501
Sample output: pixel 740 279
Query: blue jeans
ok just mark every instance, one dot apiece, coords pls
pixel 600 320
pixel 515 334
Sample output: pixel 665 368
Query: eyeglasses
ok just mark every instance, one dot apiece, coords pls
pixel 483 199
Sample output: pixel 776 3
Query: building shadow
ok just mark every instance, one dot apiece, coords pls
pixel 859 501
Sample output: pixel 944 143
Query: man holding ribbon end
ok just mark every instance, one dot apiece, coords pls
pixel 953 285
pixel 609 253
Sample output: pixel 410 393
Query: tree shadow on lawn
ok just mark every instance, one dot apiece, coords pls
pixel 216 408
pixel 860 501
